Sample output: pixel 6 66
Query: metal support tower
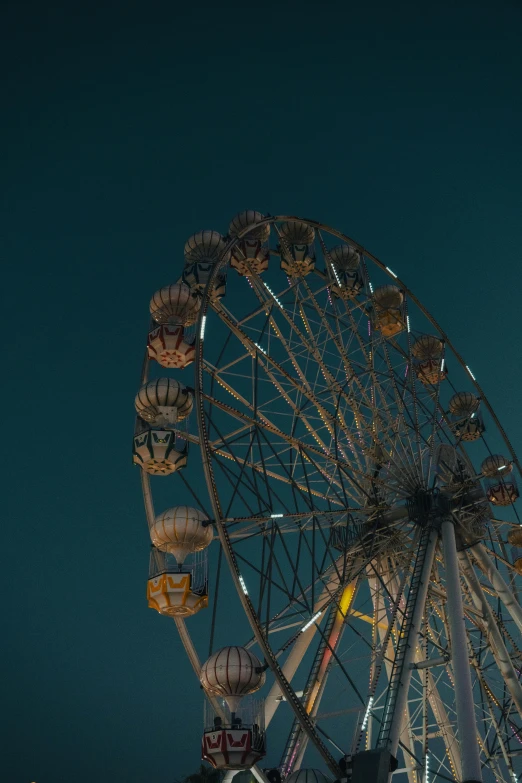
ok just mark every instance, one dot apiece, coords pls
pixel 471 768
pixel 396 700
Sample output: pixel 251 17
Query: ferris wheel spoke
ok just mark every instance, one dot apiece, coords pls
pixel 225 454
pixel 264 426
pixel 233 483
pixel 283 588
pixel 399 442
pixel 497 582
pixel 292 608
pixel 323 446
pixel 312 346
pixel 499 710
pixel 437 704
pixel 385 420
pixel 300 645
pixel 353 376
pixel 240 463
pixel 325 656
pixel 322 576
pixel 492 633
pixel 309 349
pixel 324 659
pixel 294 521
pixel 302 386
pixel 411 426
pixel 349 372
pixel 306 491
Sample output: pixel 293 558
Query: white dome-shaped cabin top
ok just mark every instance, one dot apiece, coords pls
pixel 163 401
pixel 205 246
pixel 175 304
pixel 496 465
pixel 307 776
pixel 296 232
pixel 388 296
pixel 463 403
pixel 248 218
pixel 232 672
pixel 181 530
pixel 426 347
pixel 345 258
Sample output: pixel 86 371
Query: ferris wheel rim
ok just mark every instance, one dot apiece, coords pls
pixel 208 455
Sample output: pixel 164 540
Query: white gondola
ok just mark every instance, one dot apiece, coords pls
pixel 388 310
pixel 428 363
pixel 175 305
pixel 164 402
pixel 234 740
pixel 202 251
pixel 297 248
pixel 344 270
pixel 232 672
pixel 501 485
pixel 181 530
pixel 465 416
pixel 174 589
pixel 159 452
pixel 250 255
pixel 170 346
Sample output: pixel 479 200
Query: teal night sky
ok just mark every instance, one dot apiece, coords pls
pixel 125 128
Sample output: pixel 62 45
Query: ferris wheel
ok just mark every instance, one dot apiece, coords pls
pixel 332 513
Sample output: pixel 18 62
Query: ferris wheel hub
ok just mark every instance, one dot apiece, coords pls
pixel 427 505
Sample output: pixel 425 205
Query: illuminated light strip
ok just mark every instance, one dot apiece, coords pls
pixel 276 516
pixel 336 275
pixel 261 349
pixel 311 622
pixel 367 713
pixel 371 287
pixel 427 772
pixel 391 273
pixel 467 368
pixel 442 366
pixel 408 323
pixel 273 295
pixel 243 585
pixel 202 330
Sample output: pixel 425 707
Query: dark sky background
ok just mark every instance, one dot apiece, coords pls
pixel 125 128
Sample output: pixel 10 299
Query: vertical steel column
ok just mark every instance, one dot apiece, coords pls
pixel 492 632
pixel 406 736
pixel 258 774
pixel 406 650
pixel 471 769
pixel 498 582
